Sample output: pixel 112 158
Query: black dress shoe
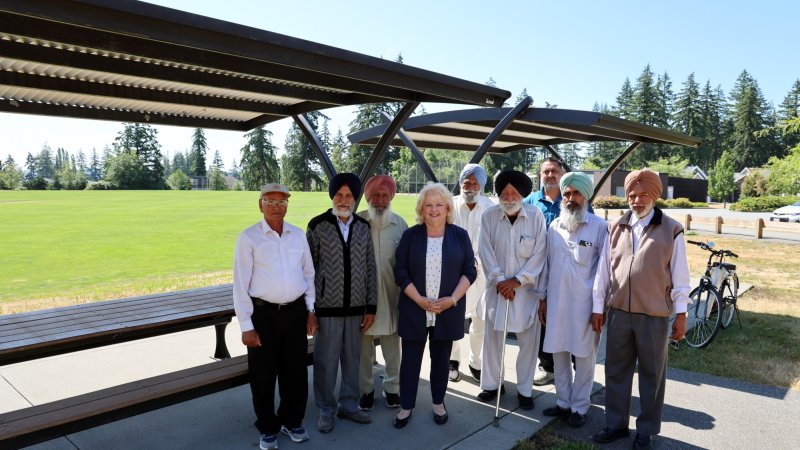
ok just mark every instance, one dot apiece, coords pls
pixel 577 420
pixel 400 423
pixel 476 373
pixel 525 403
pixel 642 442
pixel 488 395
pixel 440 420
pixel 367 401
pixel 608 435
pixel 557 411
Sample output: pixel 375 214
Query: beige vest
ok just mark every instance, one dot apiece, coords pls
pixel 641 282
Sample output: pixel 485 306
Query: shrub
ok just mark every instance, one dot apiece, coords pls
pixel 661 203
pixel 769 203
pixel 609 202
pixel 679 203
pixel 99 186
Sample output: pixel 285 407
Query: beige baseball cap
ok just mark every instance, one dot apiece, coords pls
pixel 275 187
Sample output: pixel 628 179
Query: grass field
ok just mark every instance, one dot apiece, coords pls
pixel 63 247
pixel 67 247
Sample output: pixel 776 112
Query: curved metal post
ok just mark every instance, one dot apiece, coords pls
pixel 501 127
pixel 383 142
pixel 555 155
pixel 412 147
pixel 316 144
pixel 613 167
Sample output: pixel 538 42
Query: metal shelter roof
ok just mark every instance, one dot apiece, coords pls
pixel 468 128
pixel 131 61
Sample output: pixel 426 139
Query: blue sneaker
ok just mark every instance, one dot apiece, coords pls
pixel 268 442
pixel 297 434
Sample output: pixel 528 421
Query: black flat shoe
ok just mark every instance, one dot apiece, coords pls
pixel 400 423
pixel 642 442
pixel 440 420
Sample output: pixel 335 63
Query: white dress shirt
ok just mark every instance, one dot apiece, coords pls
pixel 275 268
pixel 344 227
pixel 679 269
pixel 470 220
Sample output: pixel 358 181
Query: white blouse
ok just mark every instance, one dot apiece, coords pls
pixel 433 273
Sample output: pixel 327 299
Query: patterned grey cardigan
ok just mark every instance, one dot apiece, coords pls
pixel 345 280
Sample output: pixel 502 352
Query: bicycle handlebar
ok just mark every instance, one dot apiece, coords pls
pixel 705 246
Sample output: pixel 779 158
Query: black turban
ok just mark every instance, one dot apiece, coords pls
pixel 350 179
pixel 521 182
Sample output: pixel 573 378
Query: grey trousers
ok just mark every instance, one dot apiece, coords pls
pixel 338 342
pixel 632 338
pixel 390 347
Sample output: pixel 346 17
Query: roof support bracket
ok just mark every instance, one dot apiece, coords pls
pixel 412 147
pixel 316 144
pixel 613 167
pixel 383 143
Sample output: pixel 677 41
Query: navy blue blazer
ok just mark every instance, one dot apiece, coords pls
pixel 457 260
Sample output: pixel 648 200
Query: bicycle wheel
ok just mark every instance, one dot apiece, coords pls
pixel 729 291
pixel 703 316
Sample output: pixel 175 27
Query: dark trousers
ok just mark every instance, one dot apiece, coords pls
pixel 411 364
pixel 545 359
pixel 281 357
pixel 635 338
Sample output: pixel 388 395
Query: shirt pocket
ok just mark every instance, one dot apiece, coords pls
pixel 582 254
pixel 525 246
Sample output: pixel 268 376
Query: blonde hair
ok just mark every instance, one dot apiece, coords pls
pixel 432 188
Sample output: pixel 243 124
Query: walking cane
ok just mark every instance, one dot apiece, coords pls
pixel 496 421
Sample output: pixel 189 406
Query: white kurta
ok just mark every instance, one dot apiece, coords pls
pixel 509 251
pixel 567 282
pixel 470 220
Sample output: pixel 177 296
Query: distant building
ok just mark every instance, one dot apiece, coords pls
pixel 695 189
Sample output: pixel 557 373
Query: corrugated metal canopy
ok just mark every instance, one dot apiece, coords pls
pixel 131 61
pixel 467 129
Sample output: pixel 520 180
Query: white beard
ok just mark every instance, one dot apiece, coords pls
pixel 469 197
pixel 343 213
pixel 645 213
pixel 378 217
pixel 511 208
pixel 572 219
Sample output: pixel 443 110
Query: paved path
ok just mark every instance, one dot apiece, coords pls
pixel 701 411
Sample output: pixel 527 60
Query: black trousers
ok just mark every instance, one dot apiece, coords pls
pixel 411 364
pixel 281 358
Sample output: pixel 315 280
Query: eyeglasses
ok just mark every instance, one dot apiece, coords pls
pixel 281 203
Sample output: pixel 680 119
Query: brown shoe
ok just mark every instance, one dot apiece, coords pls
pixel 356 416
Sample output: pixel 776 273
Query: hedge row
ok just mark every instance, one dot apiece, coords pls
pixel 767 203
pixel 614 202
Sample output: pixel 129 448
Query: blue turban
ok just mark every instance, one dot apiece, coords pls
pixel 579 181
pixel 475 170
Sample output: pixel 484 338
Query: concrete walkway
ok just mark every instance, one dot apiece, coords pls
pixel 701 411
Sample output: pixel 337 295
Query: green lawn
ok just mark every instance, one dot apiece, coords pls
pixel 61 247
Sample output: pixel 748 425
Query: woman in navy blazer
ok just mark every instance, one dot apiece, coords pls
pixel 424 314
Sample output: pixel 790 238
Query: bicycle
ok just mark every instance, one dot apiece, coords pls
pixel 712 304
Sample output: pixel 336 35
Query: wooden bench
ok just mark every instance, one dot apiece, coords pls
pixel 38 334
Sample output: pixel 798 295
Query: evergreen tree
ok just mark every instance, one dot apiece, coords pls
pixel 217 163
pixel 789 109
pixel 750 114
pixel 339 152
pixel 44 163
pixel 300 166
pixel 259 165
pixel 647 109
pixel 80 162
pixel 234 170
pixel 625 103
pixel 10 175
pixel 94 173
pixel 688 118
pixel 216 177
pixel 197 155
pixel 142 140
pixel 30 167
pixel 603 153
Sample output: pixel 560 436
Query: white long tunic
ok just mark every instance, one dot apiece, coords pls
pixel 567 281
pixel 470 220
pixel 509 251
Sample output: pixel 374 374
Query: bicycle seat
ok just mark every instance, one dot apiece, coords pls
pixel 726 266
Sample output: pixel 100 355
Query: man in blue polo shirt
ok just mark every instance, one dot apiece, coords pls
pixel 547 199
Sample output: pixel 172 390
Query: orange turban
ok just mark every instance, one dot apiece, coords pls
pixel 377 182
pixel 649 180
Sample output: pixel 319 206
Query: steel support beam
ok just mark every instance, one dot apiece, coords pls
pixel 383 143
pixel 555 155
pixel 613 167
pixel 316 144
pixel 412 147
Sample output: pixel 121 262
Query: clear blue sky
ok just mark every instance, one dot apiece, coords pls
pixel 569 53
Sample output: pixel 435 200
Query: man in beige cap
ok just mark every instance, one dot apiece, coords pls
pixel 273 296
pixel 386 227
pixel 640 293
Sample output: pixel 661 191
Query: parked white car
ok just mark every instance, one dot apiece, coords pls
pixel 789 213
